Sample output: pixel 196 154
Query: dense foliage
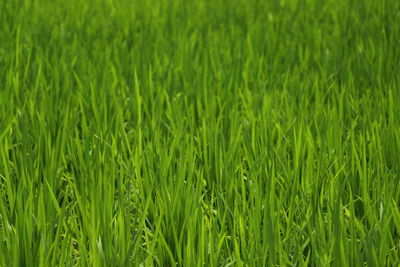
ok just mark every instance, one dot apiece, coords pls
pixel 199 133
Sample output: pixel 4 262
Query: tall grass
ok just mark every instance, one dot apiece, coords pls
pixel 199 133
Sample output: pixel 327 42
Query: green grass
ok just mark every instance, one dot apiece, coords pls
pixel 200 133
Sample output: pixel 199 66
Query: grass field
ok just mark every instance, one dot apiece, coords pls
pixel 200 133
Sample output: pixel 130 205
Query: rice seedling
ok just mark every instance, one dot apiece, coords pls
pixel 199 133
